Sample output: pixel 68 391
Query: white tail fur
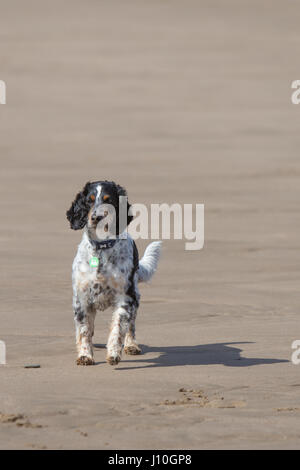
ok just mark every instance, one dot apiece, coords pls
pixel 148 264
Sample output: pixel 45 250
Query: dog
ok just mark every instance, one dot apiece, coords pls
pixel 106 271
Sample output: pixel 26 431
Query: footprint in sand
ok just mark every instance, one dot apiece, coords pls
pixel 17 419
pixel 200 399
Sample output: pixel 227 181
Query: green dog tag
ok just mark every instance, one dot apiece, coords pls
pixel 94 262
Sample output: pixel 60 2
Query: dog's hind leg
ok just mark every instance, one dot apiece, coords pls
pixel 131 346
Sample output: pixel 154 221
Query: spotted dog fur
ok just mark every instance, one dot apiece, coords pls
pixel 114 282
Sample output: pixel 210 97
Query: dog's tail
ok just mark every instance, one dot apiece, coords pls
pixel 148 264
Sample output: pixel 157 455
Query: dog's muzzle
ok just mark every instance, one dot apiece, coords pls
pixel 97 218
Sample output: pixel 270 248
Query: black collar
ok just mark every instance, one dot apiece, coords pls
pixel 104 244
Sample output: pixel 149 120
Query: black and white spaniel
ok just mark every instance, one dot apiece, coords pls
pixel 106 270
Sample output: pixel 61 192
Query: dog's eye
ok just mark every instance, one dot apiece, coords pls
pixel 105 198
pixel 92 197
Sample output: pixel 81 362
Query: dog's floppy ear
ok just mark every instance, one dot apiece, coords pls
pixel 78 212
pixel 122 192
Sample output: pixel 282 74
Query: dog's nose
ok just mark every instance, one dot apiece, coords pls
pixel 95 218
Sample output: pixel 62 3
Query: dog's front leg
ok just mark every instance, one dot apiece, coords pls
pixel 84 323
pixel 131 346
pixel 119 328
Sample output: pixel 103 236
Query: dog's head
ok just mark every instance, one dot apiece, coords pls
pixel 91 206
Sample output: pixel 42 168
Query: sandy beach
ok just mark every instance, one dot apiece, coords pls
pixel 186 102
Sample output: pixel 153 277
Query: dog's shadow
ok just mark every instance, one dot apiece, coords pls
pixel 204 354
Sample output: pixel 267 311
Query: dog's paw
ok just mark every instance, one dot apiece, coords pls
pixel 85 361
pixel 113 360
pixel 132 350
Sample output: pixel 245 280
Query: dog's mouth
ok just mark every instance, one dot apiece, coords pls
pixel 94 226
pixel 98 227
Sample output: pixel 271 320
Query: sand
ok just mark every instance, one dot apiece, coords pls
pixel 183 102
